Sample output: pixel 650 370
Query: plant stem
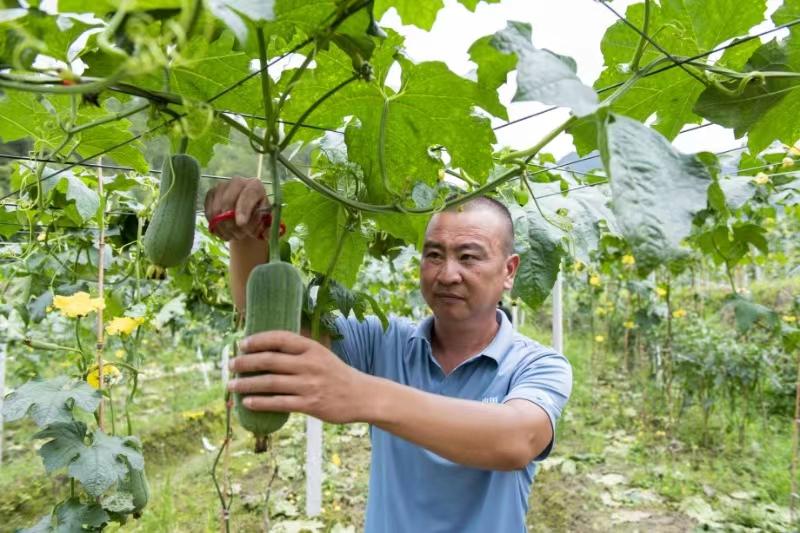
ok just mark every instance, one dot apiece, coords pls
pixel 795 430
pixel 101 248
pixel 637 56
pixel 532 151
pixel 111 118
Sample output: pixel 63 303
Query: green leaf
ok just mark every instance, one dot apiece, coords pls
pixel 325 223
pixel 776 124
pixel 50 401
pixel 540 251
pixel 410 228
pixel 73 515
pixel 433 108
pixel 44 525
pixel 656 190
pixel 589 215
pixel 50 35
pixel 105 137
pixel 420 14
pixel 749 313
pixel 67 444
pixel 738 190
pixel 743 109
pixel 542 76
pixel 98 465
pixel 684 28
pixel 23 116
pixel 493 65
pixel 86 200
pixel 233 13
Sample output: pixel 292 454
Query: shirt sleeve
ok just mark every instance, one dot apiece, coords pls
pixel 359 342
pixel 547 382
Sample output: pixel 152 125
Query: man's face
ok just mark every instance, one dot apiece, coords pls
pixel 464 268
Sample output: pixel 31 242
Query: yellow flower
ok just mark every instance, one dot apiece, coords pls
pixel 787 162
pixel 42 236
pixel 577 266
pixel 789 318
pixel 336 460
pixel 111 376
pixel 599 339
pixel 123 325
pixel 79 304
pixel 762 178
pixel 594 280
pixel 600 311
pixel 661 291
pixel 193 414
pixel 628 260
pixel 679 313
pixel 629 324
pixel 119 353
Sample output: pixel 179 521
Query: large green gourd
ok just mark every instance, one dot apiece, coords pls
pixel 169 237
pixel 274 302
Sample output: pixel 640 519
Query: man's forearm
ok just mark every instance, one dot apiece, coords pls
pixel 246 254
pixel 489 436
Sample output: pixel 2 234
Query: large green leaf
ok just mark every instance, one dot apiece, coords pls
pixel 542 76
pixel 749 313
pixel 86 200
pixel 23 116
pixel 433 107
pixel 98 465
pixel 50 35
pixel 779 123
pixel 656 190
pixel 205 69
pixel 73 515
pixel 683 28
pixel 66 444
pixel 586 214
pixel 420 14
pixel 539 247
pixel 325 223
pixel 748 104
pixel 50 401
pixel 233 13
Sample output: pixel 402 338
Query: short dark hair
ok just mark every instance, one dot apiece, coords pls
pixel 497 207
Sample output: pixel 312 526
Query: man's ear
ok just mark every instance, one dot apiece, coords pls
pixel 512 264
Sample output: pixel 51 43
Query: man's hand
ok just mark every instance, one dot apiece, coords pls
pixel 245 197
pixel 303 377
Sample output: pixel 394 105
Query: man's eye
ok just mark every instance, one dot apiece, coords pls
pixel 467 257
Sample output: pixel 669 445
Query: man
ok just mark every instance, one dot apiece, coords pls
pixel 460 406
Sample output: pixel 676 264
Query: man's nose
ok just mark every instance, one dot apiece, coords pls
pixel 450 272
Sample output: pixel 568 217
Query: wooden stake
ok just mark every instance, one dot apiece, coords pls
pixel 101 250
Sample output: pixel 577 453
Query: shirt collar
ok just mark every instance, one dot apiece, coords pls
pixel 500 345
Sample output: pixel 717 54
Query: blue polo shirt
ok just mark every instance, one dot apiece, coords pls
pixel 413 490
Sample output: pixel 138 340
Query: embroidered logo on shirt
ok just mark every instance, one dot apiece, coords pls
pixel 490 399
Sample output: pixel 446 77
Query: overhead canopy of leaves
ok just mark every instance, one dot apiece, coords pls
pixel 646 175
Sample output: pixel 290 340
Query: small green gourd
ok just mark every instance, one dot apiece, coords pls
pixel 274 302
pixel 169 237
pixel 136 484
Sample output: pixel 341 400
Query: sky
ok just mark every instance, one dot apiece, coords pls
pixel 568 27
